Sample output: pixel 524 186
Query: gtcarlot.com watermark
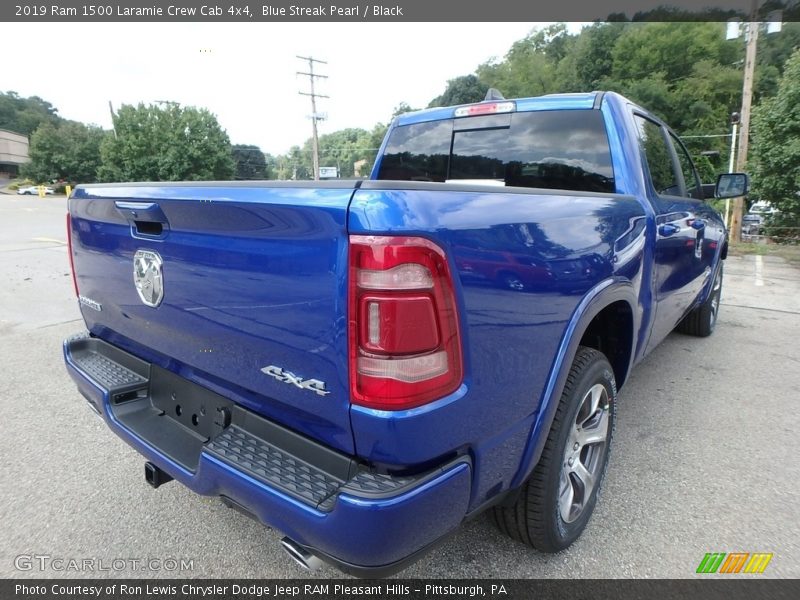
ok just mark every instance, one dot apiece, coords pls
pixel 63 564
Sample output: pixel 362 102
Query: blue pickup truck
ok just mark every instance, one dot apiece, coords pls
pixel 363 365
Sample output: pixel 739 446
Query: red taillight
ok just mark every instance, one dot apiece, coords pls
pixel 69 252
pixel 404 343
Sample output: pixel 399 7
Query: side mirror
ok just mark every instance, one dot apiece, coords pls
pixel 731 185
pixel 709 189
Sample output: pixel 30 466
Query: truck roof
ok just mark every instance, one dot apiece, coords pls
pixel 579 101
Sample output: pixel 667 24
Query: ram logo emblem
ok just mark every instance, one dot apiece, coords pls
pixel 148 277
pixel 312 385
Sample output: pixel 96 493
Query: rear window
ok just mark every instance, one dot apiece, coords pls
pixel 565 150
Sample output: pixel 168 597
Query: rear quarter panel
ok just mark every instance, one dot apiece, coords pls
pixel 561 245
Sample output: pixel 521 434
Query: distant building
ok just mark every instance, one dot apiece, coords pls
pixel 13 152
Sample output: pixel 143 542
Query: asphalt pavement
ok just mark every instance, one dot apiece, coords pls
pixel 705 455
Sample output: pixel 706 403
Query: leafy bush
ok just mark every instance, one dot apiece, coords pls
pixel 782 228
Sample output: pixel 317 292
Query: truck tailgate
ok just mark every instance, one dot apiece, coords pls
pixel 254 282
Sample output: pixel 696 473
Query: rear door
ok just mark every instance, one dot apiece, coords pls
pixel 254 290
pixel 682 262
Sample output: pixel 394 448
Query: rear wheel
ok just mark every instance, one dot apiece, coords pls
pixel 557 501
pixel 702 320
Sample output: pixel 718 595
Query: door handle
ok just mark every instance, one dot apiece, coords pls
pixel 141 211
pixel 145 218
pixel 668 229
pixel 698 224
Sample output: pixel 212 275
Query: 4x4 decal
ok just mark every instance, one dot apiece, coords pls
pixel 313 385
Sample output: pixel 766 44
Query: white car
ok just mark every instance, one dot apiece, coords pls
pixel 763 209
pixel 33 190
pixel 751 223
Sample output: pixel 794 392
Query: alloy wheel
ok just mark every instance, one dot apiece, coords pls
pixel 584 453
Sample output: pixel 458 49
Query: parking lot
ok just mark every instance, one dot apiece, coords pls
pixel 705 456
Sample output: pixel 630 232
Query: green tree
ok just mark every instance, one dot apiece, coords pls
pixel 525 71
pixel 461 90
pixel 24 115
pixel 773 52
pixel 69 151
pixel 344 148
pixel 671 49
pixel 250 162
pixel 376 137
pixel 377 134
pixel 296 164
pixel 593 54
pixel 272 163
pixel 341 149
pixel 172 143
pixel 530 67
pixel 775 157
pixel 402 108
pixel 283 169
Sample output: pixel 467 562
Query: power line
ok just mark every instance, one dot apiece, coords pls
pixel 709 135
pixel 314 115
pixel 346 149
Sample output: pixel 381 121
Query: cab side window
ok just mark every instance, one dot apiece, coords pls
pixel 693 189
pixel 659 157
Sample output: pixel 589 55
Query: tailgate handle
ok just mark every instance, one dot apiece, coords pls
pixel 145 218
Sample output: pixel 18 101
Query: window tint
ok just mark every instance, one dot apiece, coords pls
pixel 687 168
pixel 418 152
pixel 659 159
pixel 475 154
pixel 565 150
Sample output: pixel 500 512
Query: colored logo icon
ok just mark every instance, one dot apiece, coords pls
pixel 734 562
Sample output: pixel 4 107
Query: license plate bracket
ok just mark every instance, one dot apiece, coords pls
pixel 200 410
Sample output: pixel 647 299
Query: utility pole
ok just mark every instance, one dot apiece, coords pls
pixel 744 131
pixel 111 110
pixel 314 115
pixel 731 164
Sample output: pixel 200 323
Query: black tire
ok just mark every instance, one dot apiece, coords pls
pixel 537 517
pixel 702 320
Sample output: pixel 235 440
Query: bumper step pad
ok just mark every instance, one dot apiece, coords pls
pixel 113 370
pixel 106 372
pixel 265 462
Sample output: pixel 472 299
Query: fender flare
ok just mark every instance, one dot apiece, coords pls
pixel 708 285
pixel 599 297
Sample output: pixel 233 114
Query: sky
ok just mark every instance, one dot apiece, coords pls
pixel 245 73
